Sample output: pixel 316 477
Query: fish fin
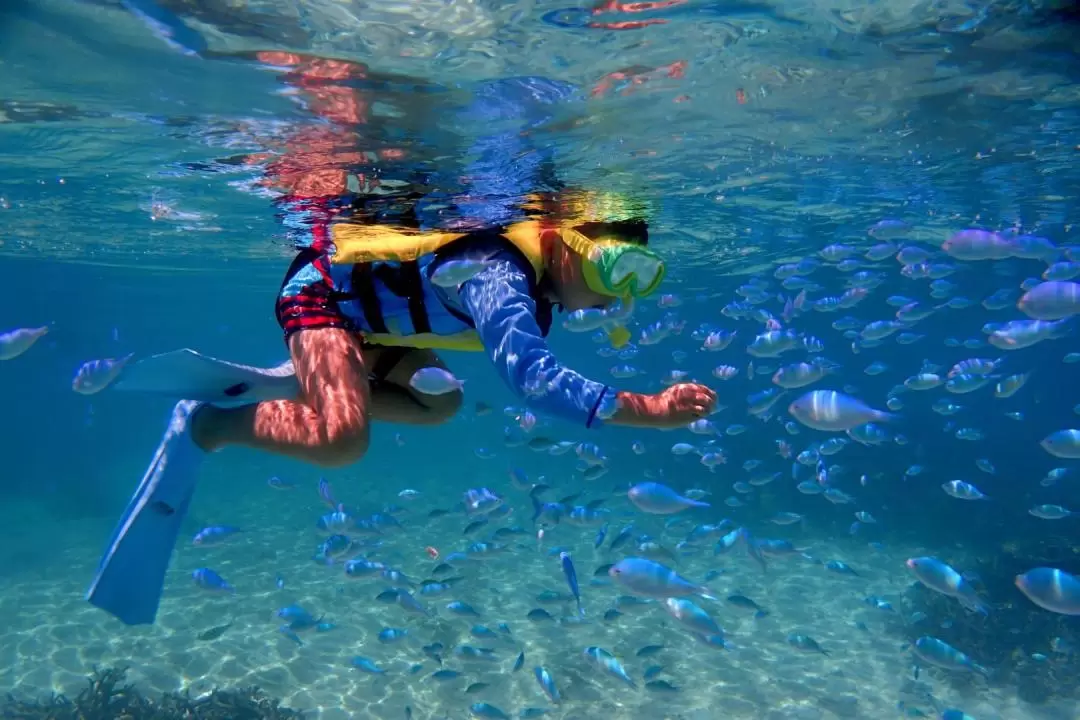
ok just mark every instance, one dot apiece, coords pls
pixel 1061 328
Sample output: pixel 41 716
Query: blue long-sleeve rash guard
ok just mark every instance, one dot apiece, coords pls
pixel 499 301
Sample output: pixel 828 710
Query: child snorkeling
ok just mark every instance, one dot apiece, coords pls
pixel 362 314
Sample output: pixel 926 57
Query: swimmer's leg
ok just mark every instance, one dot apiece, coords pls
pixel 394 400
pixel 328 425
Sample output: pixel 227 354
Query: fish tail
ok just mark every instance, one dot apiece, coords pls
pixel 538 508
pixel 1061 328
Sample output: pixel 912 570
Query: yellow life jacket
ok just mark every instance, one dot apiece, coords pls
pixel 363 245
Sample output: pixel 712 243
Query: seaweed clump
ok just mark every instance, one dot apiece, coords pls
pixel 108 697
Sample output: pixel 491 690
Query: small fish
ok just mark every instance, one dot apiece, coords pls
pixel 841 568
pixel 547 684
pixel 452 273
pixel 1051 589
pixel 207 579
pixel 391 635
pixel 692 617
pixel 942 578
pixel 95 375
pixel 805 643
pixel 435 381
pixel 367 665
pixel 649 650
pixel 1051 512
pixel 651 579
pixel 941 654
pixel 742 601
pixel 291 634
pixel 297 618
pixel 214 535
pixel 963 490
pixel 487 711
pixel 571 579
pixel 608 663
pixel 833 411
pixel 445 675
pixel 474 526
pixel 660 499
pixel 540 615
pixel 15 342
pixel 463 609
pixel 213 633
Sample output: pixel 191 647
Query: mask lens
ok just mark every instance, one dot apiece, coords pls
pixel 635 269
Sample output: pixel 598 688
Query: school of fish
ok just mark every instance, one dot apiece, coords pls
pixel 803 395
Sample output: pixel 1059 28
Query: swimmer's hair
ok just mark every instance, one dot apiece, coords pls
pixel 633 231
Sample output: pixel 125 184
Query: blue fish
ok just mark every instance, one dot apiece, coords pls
pixel 392 635
pixel 600 535
pixel 94 376
pixel 571 579
pixel 367 665
pixel 207 579
pixel 214 535
pixel 297 618
pixel 547 684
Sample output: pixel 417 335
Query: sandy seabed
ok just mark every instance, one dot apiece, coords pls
pixel 51 638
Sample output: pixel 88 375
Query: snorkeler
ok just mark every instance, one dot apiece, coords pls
pixel 363 308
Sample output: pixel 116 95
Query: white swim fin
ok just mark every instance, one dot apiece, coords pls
pixel 190 375
pixel 130 578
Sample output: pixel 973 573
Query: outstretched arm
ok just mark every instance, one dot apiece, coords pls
pixel 504 312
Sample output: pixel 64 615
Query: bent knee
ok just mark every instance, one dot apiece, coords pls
pixel 343 445
pixel 442 407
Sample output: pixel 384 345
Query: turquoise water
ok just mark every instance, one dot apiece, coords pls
pixel 137 219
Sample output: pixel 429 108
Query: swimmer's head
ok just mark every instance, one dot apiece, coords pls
pixel 581 278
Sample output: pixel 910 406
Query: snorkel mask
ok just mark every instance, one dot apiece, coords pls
pixel 614 267
pixel 611 265
pixel 619 269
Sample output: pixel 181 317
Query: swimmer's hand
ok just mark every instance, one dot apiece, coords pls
pixel 675 407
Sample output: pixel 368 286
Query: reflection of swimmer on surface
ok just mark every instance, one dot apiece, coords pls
pixel 375 291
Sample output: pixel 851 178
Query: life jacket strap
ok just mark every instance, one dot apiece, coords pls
pixel 403 280
pixel 413 289
pixel 363 291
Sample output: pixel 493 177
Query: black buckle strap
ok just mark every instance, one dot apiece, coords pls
pixel 414 291
pixel 363 288
pixel 403 280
